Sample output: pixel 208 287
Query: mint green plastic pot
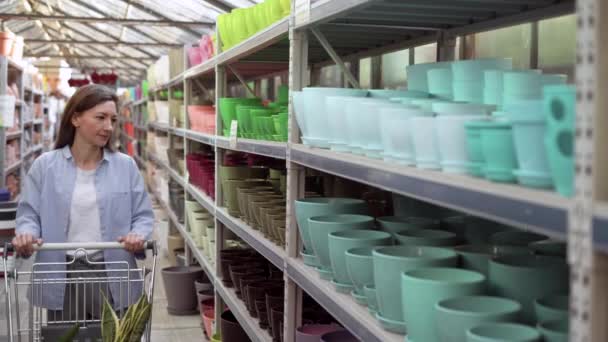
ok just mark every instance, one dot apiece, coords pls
pixel 320 227
pixel 474 147
pixel 454 316
pixel 372 298
pixel 421 289
pixel 501 332
pixel 498 151
pixel 360 267
pixel 554 331
pixel 426 237
pixel 389 264
pixel 544 276
pixel 318 206
pixel 477 257
pixel 516 238
pixel 341 242
pixel 551 308
pixel 394 224
pixel 560 109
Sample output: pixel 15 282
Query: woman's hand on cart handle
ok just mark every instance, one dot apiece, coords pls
pixel 24 244
pixel 132 242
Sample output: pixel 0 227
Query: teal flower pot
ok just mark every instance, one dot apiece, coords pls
pixel 426 237
pixel 529 129
pixel 321 226
pixel 389 264
pixel 501 332
pixel 372 298
pixel 474 147
pixel 421 289
pixel 440 83
pixel 516 238
pixel 552 308
pixel 477 257
pixel 360 267
pixel 395 224
pixel 554 331
pixel 341 242
pixel 559 103
pixel 454 316
pixel 544 276
pixel 522 84
pixel 318 206
pixel 498 151
pixel 417 75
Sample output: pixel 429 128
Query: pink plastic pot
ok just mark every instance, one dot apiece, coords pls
pixel 194 56
pixel 208 321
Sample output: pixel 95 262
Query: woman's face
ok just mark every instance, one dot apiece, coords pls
pixel 95 125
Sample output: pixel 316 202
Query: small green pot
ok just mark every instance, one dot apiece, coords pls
pixel 454 316
pixel 498 151
pixel 343 241
pixel 501 332
pixel 516 238
pixel 552 308
pixel 372 298
pixel 474 147
pixel 477 257
pixel 544 276
pixel 360 267
pixel 321 226
pixel 426 237
pixel 421 289
pixel 554 331
pixel 390 263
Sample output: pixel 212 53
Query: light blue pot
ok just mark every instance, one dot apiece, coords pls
pixel 423 288
pixel 450 134
pixel 321 226
pixel 338 133
pixel 425 145
pixel 369 126
pixel 466 109
pixel 341 242
pixel 316 112
pixel 529 128
pixel 417 75
pixel 395 133
pixel 440 82
pixel 318 206
pixel 357 121
pixel 392 93
pixel 468 91
pixel 390 263
pixel 473 69
pixel 300 112
pixel 426 105
pixel 523 83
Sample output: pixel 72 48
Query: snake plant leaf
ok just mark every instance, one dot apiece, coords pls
pixel 127 322
pixel 109 322
pixel 70 334
pixel 139 326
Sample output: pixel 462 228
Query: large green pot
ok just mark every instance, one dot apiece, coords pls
pixel 543 276
pixel 389 263
pixel 554 331
pixel 501 332
pixel 372 298
pixel 317 206
pixel 426 237
pixel 454 316
pixel 360 267
pixel 341 242
pixel 421 289
pixel 552 308
pixel 321 226
pixel 477 257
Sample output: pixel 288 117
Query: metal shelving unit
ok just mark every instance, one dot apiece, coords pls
pixel 321 33
pixel 7 65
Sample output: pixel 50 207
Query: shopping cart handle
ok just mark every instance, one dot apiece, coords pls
pixel 65 246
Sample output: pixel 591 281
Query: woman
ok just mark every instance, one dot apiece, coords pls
pixel 83 191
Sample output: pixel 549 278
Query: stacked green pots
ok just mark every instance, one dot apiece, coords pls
pixel 543 276
pixel 477 257
pixel 318 206
pixel 343 241
pixel 426 237
pixel 421 289
pixel 228 109
pixel 500 332
pixel 554 331
pixel 395 224
pixel 454 316
pixel 389 264
pixel 321 226
pixel 360 269
pixel 551 308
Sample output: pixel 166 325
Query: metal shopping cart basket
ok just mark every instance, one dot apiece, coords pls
pixel 44 325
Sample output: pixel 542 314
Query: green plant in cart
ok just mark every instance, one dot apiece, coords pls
pixel 70 334
pixel 129 328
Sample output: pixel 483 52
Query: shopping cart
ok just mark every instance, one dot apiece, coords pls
pixel 43 325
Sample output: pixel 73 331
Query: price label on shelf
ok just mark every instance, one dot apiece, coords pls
pixel 234 125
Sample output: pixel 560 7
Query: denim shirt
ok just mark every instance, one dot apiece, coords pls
pixel 44 210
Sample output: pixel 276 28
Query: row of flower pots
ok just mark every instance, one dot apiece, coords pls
pixel 438 277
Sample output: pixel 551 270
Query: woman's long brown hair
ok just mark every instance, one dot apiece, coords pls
pixel 83 99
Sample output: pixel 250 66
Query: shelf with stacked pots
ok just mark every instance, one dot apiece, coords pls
pixel 474 135
pixel 428 272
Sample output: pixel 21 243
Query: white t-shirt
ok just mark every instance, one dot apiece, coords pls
pixel 84 224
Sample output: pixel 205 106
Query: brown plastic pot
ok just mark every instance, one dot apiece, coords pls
pixel 179 288
pixel 257 291
pixel 276 320
pixel 261 313
pixel 231 329
pixel 236 273
pixel 244 283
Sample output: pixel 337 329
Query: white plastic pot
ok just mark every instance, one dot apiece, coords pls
pixel 426 151
pixel 396 135
pixel 451 140
pixel 338 135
